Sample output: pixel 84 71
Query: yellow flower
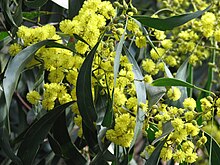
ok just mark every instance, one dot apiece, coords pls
pixel 177 124
pixel 166 153
pixel 148 78
pixel 149 66
pixel 123 131
pixel 78 122
pixel 33 97
pixel 167 44
pixel 14 49
pixel 179 156
pixel 189 103
pixel 140 41
pixel 174 93
pixel 191 129
pixel 48 104
pixel 156 55
pixel 217 35
pixel 190 157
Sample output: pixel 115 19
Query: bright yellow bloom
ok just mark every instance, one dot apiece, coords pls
pixel 166 153
pixel 140 41
pixel 156 55
pixel 14 49
pixel 179 156
pixel 33 97
pixel 174 93
pixel 189 103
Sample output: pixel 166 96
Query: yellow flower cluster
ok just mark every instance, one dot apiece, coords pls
pixel 123 131
pixel 33 97
pixel 89 23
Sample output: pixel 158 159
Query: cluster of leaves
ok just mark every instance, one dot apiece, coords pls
pixel 39 136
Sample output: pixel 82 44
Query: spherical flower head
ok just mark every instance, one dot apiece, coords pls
pixel 148 65
pixel 179 156
pixel 160 35
pixel 174 93
pixel 191 129
pixel 140 41
pixel 33 97
pixel 171 61
pixel 189 103
pixel 167 44
pixel 14 49
pixel 133 26
pixel 206 105
pixel 208 19
pixel 190 157
pixel 187 146
pixel 166 153
pixel 157 54
pixel 189 116
pixel 123 131
pixel 56 76
pixel 193 59
pixel 150 149
pixel 177 124
pixel 48 104
pixel 148 79
pixel 217 103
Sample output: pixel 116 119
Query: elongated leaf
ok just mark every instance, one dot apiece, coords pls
pixel 7 13
pixel 215 149
pixel 37 133
pixel 154 94
pixel 167 129
pixel 16 66
pixel 84 90
pixel 5 41
pixel 141 95
pixel 5 146
pixel 182 75
pixel 155 156
pixel 74 7
pixel 118 56
pixel 168 23
pixel 176 82
pixel 69 150
pixel 35 4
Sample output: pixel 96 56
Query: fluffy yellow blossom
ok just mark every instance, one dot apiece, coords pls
pixel 14 49
pixel 156 55
pixel 174 93
pixel 177 124
pixel 167 44
pixel 189 103
pixel 179 156
pixel 166 153
pixel 33 97
pixel 140 41
pixel 206 105
pixel 191 129
pixel 149 66
pixel 123 131
pixel 190 157
pixel 208 21
pixel 148 78
pixel 170 60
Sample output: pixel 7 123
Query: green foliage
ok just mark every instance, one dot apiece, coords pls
pixel 104 82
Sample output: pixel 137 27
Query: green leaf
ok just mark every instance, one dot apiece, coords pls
pixel 182 75
pixel 5 41
pixel 37 133
pixel 176 82
pixel 5 146
pixel 141 95
pixel 3 35
pixel 18 14
pixel 118 56
pixel 84 90
pixel 168 23
pixel 215 149
pixel 167 129
pixel 17 64
pixel 154 94
pixel 68 149
pixel 74 7
pixel 155 156
pixel 35 4
pixel 7 13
